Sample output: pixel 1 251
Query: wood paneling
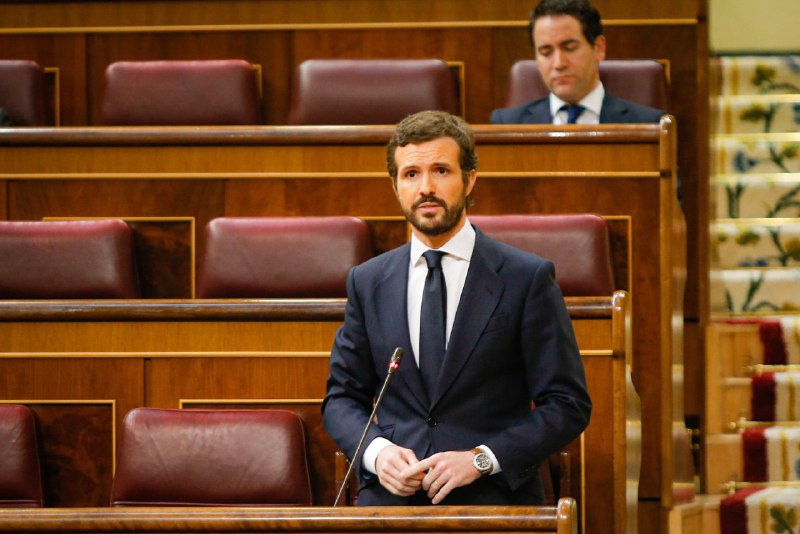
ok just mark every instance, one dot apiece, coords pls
pixel 180 354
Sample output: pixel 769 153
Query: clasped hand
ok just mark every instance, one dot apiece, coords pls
pixel 401 473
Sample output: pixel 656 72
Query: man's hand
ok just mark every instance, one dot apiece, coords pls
pixel 446 471
pixel 390 465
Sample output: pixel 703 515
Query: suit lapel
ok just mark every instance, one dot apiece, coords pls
pixel 482 292
pixel 538 112
pixel 392 292
pixel 613 110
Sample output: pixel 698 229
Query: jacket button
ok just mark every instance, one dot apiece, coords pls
pixel 432 421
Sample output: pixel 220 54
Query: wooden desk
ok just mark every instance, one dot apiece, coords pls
pixel 301 520
pixel 81 365
pixel 626 171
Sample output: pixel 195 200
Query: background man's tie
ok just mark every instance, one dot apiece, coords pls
pixel 573 112
pixel 432 322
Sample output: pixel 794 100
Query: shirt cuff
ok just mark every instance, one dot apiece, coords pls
pixel 495 464
pixel 371 454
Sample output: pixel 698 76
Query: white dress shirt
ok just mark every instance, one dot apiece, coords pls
pixel 455 265
pixel 593 103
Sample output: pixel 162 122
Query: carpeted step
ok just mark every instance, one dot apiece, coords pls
pixel 755 290
pixel 755 243
pixel 755 195
pixel 752 75
pixel 755 114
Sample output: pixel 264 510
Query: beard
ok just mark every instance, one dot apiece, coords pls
pixel 435 225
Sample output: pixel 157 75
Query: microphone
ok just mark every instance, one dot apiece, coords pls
pixel 394 363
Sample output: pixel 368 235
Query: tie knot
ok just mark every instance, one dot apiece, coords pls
pixel 573 112
pixel 433 258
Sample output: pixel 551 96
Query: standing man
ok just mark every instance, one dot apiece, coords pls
pixel 485 332
pixel 569 45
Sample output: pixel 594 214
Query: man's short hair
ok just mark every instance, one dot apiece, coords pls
pixel 430 125
pixel 582 10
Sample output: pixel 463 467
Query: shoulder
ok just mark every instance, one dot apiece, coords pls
pixel 624 111
pixel 384 263
pixel 533 112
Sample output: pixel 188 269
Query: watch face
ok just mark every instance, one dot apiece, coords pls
pixel 482 462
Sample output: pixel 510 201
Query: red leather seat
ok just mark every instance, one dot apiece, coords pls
pixel 643 81
pixel 67 260
pixel 22 92
pixel 20 472
pixel 578 246
pixel 370 91
pixel 211 458
pixel 281 257
pixel 178 93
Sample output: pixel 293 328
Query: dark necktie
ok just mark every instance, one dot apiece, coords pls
pixel 573 112
pixel 432 321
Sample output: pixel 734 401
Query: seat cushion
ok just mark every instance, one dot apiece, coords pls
pixel 370 91
pixel 22 92
pixel 164 93
pixel 577 244
pixel 20 473
pixel 281 257
pixel 212 458
pixel 67 260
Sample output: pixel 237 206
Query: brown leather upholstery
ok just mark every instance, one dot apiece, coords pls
pixel 175 93
pixel 22 92
pixel 641 80
pixel 211 458
pixel 370 91
pixel 20 473
pixel 577 244
pixel 67 259
pixel 274 257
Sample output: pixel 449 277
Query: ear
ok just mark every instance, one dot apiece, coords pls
pixel 600 47
pixel 473 175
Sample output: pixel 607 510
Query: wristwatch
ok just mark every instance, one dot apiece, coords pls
pixel 481 461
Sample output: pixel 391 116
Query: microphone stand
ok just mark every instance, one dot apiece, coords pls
pixel 394 363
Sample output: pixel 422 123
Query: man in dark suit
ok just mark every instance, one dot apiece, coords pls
pixel 569 44
pixel 456 424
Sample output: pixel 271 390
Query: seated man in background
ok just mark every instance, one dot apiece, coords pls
pixel 568 43
pixel 485 331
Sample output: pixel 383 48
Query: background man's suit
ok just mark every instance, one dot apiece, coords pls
pixel 511 342
pixel 614 110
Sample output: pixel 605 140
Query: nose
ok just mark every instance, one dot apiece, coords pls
pixel 426 184
pixel 559 59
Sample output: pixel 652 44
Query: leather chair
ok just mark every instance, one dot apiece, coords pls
pixel 67 260
pixel 577 244
pixel 211 458
pixel 20 472
pixel 22 92
pixel 281 257
pixel 370 91
pixel 181 93
pixel 643 81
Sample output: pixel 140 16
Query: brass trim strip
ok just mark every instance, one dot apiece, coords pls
pixel 344 26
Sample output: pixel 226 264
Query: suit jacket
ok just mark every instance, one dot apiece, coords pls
pixel 511 343
pixel 614 111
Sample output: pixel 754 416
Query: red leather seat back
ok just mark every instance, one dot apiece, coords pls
pixel 578 245
pixel 643 81
pixel 180 93
pixel 281 257
pixel 22 92
pixel 67 260
pixel 370 91
pixel 211 458
pixel 20 472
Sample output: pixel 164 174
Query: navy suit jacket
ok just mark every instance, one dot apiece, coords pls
pixel 511 343
pixel 614 111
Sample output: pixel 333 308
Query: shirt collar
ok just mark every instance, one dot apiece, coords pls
pixel 460 245
pixel 592 102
